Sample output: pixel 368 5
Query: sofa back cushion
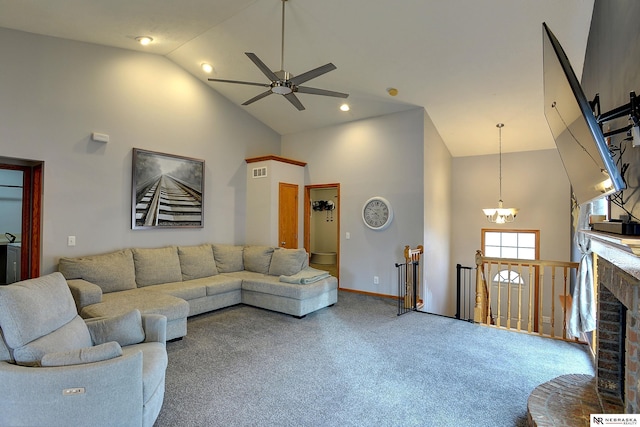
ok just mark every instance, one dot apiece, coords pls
pixel 197 262
pixel 112 272
pixel 156 265
pixel 39 316
pixel 286 262
pixel 229 258
pixel 257 258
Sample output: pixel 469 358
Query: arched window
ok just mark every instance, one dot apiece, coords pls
pixel 506 276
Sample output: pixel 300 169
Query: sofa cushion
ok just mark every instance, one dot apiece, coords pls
pixel 228 258
pixel 197 262
pixel 286 262
pixel 272 285
pixel 72 336
pixel 33 308
pixel 112 272
pixel 156 265
pixel 146 300
pixel 191 289
pixel 98 353
pixel 125 329
pixel 257 258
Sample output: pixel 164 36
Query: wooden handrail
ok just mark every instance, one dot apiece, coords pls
pixel 531 288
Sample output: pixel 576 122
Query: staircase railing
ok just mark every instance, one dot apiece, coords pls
pixel 531 296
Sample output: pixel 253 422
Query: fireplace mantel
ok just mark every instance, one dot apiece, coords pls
pixel 622 251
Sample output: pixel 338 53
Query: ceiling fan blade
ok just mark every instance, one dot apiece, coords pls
pixel 292 98
pixel 265 70
pixel 240 83
pixel 314 91
pixel 257 97
pixel 312 74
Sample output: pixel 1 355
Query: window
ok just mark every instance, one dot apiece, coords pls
pixel 517 244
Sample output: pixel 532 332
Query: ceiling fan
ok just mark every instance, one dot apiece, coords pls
pixel 284 83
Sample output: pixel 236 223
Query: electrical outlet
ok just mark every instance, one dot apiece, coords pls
pixel 546 319
pixel 376 280
pixel 71 240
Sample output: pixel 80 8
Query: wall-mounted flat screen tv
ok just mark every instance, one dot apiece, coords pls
pixel 582 147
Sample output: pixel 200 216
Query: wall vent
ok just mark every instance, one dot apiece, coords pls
pixel 260 172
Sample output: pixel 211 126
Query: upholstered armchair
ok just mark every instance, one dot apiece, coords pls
pixel 58 369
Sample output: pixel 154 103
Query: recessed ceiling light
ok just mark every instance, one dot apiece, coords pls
pixel 392 91
pixel 344 107
pixel 207 68
pixel 144 40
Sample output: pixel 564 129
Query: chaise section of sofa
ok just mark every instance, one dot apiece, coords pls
pixel 183 281
pixel 105 285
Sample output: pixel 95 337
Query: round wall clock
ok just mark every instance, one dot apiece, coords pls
pixel 377 213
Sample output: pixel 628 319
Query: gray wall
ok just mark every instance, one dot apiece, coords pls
pixel 382 156
pixel 534 181
pixel 612 69
pixel 54 93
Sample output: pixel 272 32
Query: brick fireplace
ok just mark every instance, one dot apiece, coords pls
pixel 618 281
pixel 571 399
pixel 618 321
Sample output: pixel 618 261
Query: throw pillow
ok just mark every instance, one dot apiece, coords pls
pixel 286 262
pixel 156 265
pixel 228 258
pixel 197 262
pixel 257 258
pixel 81 356
pixel 126 329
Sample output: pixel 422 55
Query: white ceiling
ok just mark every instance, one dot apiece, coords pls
pixel 469 63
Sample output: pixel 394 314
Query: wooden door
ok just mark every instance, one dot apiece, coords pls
pixel 288 216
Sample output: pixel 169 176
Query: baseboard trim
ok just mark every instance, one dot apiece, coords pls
pixel 371 294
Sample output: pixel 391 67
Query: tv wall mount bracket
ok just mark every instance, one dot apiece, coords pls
pixel 631 109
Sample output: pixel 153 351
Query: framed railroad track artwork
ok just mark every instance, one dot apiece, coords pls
pixel 167 191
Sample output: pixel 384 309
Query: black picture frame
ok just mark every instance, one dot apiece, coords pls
pixel 167 191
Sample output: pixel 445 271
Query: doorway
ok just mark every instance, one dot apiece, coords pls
pixel 21 184
pixel 322 227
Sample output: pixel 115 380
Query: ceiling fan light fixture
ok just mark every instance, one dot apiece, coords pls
pixel 284 83
pixel 207 68
pixel 144 40
pixel 281 88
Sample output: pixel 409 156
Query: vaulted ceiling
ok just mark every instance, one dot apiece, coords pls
pixel 469 63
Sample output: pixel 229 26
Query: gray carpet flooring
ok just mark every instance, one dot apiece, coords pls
pixel 356 364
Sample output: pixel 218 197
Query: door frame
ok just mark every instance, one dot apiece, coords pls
pixel 307 219
pixel 32 195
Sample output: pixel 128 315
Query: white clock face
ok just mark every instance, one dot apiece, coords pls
pixel 377 213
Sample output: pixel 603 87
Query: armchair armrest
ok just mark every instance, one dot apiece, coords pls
pixel 84 293
pixel 155 328
pixel 99 394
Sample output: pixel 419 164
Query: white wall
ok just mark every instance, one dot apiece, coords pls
pixel 382 156
pixel 437 265
pixel 263 198
pixel 54 93
pixel 533 181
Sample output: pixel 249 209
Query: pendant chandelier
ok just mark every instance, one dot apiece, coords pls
pixel 500 215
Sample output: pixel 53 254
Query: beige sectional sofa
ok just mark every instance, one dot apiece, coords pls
pixel 182 281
